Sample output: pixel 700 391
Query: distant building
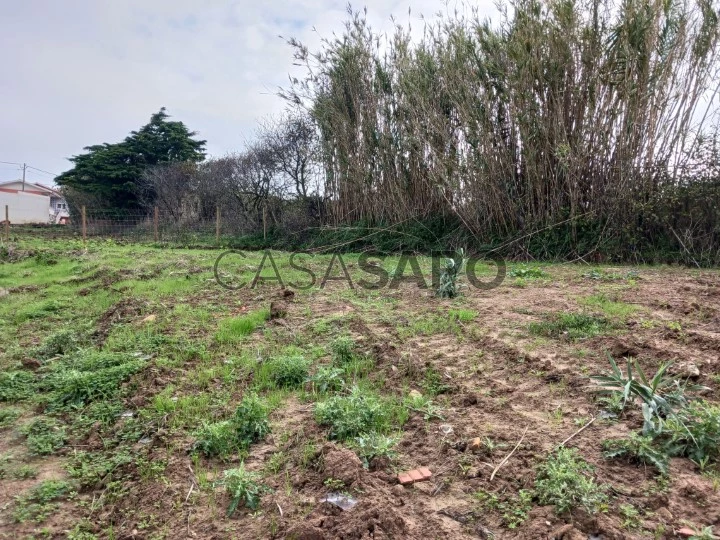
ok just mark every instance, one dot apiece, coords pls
pixel 30 202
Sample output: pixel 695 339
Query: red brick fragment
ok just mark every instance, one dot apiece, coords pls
pixel 405 478
pixel 416 475
pixel 425 472
pixel 686 531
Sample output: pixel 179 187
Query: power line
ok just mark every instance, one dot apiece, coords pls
pixel 42 171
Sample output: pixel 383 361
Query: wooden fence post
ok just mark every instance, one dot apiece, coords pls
pixel 265 221
pixel 7 223
pixel 217 224
pixel 155 224
pixel 84 225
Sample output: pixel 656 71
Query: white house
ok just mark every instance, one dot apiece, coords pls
pixel 30 202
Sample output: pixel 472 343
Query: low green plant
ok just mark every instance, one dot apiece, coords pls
pixel 694 432
pixel 244 487
pixel 524 271
pixel 369 446
pixel 8 416
pixel 449 273
pixel 327 379
pixel 355 414
pixel 248 425
pixel 16 385
pixel 572 326
pixel 434 383
pixel 39 502
pixel 344 350
pixel 217 439
pixel 514 510
pixel 88 376
pixel 661 396
pixel 288 371
pixel 24 472
pixel 638 449
pixel 251 419
pixel 564 480
pixel 58 344
pixel 44 435
pixel 630 515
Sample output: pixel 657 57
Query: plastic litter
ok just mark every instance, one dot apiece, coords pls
pixel 341 500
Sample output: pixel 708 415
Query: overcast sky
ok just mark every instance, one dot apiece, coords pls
pixel 82 72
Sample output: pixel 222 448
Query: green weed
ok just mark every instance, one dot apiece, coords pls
pixel 374 445
pixel 356 414
pixel 44 436
pixel 638 449
pixel 564 481
pixel 39 502
pixel 243 487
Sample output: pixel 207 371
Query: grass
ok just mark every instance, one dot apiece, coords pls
pixel 236 329
pixel 116 401
pixel 572 326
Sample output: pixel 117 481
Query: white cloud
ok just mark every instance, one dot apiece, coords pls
pixel 81 72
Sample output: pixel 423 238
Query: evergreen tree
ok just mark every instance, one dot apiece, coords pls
pixel 110 173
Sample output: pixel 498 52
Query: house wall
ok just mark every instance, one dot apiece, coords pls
pixel 25 207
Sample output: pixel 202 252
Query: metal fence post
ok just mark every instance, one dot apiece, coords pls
pixel 217 223
pixel 155 224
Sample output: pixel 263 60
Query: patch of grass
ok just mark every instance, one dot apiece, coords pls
pixel 358 413
pixel 236 329
pixel 217 439
pixel 571 326
pixel 564 480
pixel 39 502
pixel 463 315
pixel 88 376
pixel 16 385
pixel 243 487
pixel 434 383
pixel 58 344
pixel 283 372
pixel 44 436
pixel 8 416
pixel 610 308
pixel 638 449
pixel 25 472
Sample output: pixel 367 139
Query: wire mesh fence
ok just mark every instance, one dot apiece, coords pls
pixel 137 226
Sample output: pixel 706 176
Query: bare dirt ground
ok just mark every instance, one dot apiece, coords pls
pixel 490 377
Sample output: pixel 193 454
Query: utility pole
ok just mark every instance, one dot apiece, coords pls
pixel 24 169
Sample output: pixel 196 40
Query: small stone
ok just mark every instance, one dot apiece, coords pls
pixel 414 394
pixel 472 472
pixel 475 444
pixel 398 490
pixel 686 531
pixel 150 318
pixel 664 514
